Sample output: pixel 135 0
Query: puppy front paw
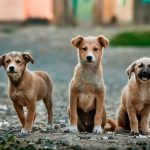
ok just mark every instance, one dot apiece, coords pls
pixel 71 129
pixel 97 129
pixel 134 132
pixel 145 131
pixel 23 133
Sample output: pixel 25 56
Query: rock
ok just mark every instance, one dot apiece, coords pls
pixel 63 125
pixel 65 143
pixel 56 126
pixel 84 136
pixel 30 147
pixel 110 137
pixel 104 138
pixel 2 140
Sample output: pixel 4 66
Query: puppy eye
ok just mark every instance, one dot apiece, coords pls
pixel 18 61
pixel 95 49
pixel 7 61
pixel 141 65
pixel 84 48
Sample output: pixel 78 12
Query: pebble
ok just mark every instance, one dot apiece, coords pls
pixel 63 125
pixel 141 136
pixel 2 140
pixel 56 126
pixel 104 138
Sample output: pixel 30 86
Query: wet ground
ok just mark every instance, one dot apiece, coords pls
pixel 53 53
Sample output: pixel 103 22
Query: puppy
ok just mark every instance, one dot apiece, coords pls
pixel 87 89
pixel 26 87
pixel 133 113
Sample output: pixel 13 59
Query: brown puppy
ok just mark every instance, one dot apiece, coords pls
pixel 87 89
pixel 133 114
pixel 26 87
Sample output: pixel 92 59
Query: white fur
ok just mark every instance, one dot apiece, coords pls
pixel 72 129
pixel 97 129
pixel 24 132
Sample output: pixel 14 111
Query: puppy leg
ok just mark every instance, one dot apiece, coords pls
pixel 20 113
pixel 31 107
pixel 73 110
pixel 133 118
pixel 49 106
pixel 123 121
pixel 99 112
pixel 144 123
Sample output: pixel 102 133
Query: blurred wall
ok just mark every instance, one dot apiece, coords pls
pixel 20 10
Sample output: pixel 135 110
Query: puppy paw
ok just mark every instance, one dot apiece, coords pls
pixel 134 132
pixel 23 133
pixel 49 127
pixel 97 129
pixel 71 129
pixel 145 131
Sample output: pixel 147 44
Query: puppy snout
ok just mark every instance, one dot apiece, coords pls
pixel 89 58
pixel 145 73
pixel 11 68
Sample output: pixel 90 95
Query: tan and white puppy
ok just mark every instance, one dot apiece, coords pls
pixel 87 89
pixel 27 87
pixel 133 113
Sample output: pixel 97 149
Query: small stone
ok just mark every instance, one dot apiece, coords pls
pixel 63 125
pixel 110 137
pixel 104 138
pixel 2 140
pixel 84 136
pixel 64 142
pixel 56 126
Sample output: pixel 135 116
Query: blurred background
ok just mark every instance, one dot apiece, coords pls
pixel 45 28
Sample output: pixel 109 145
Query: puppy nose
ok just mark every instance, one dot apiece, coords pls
pixel 89 58
pixel 145 73
pixel 11 68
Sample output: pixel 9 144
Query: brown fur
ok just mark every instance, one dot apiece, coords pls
pixel 133 113
pixel 87 89
pixel 26 87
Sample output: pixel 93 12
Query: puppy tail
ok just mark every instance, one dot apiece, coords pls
pixel 111 125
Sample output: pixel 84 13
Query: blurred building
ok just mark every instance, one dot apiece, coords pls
pixel 21 10
pixel 121 11
pixel 63 12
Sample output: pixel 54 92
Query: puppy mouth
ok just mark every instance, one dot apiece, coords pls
pixel 12 72
pixel 144 76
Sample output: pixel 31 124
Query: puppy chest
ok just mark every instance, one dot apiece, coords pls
pixel 86 101
pixel 20 97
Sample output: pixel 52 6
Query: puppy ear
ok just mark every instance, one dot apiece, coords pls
pixel 77 41
pixel 103 41
pixel 130 69
pixel 2 60
pixel 27 56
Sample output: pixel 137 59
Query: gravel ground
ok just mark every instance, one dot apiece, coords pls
pixel 53 53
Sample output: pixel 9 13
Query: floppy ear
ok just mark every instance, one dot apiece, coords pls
pixel 130 69
pixel 2 60
pixel 103 41
pixel 77 41
pixel 27 56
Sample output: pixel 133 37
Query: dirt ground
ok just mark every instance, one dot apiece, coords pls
pixel 53 53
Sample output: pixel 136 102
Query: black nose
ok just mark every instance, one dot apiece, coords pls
pixel 89 58
pixel 11 68
pixel 145 73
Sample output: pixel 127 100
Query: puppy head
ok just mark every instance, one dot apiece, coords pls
pixel 141 68
pixel 15 63
pixel 90 48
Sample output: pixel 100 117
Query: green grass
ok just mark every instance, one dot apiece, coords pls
pixel 131 39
